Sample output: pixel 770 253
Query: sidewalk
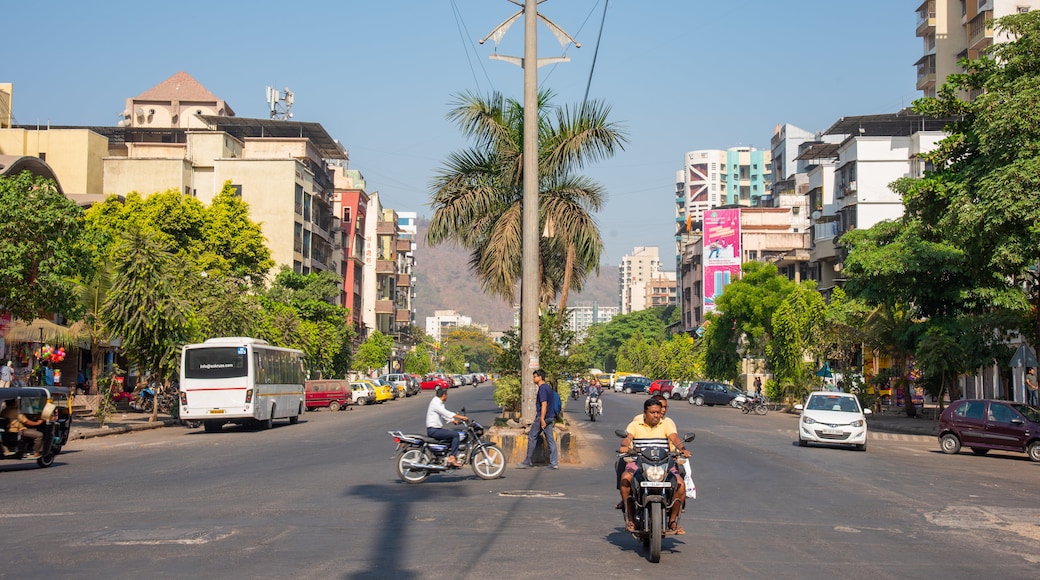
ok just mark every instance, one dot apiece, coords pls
pixel 87 427
pixel 894 420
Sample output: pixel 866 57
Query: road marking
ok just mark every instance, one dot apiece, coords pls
pixel 47 515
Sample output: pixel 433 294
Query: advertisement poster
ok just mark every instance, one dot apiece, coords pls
pixel 721 253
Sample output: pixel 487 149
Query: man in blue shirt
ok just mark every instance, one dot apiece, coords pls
pixel 543 423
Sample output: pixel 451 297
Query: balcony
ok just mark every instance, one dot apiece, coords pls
pixel 823 249
pixel 980 31
pixel 385 307
pixel 385 267
pixel 404 280
pixel 386 228
pixel 404 245
pixel 403 316
pixel 926 18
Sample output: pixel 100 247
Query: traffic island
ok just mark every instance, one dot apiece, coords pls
pixel 513 442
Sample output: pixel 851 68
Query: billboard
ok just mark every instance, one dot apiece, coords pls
pixel 721 253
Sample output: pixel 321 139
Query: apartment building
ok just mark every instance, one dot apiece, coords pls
pixel 443 321
pixel 636 271
pixel 954 29
pixel 350 206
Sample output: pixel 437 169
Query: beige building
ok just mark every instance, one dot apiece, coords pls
pixel 954 29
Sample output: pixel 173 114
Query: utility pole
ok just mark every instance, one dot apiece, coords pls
pixel 530 283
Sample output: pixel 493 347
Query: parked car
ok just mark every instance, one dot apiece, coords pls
pixel 413 384
pixel 983 425
pixel 832 417
pixel 711 393
pixel 334 394
pixel 383 392
pixel 434 381
pixel 661 387
pixel 634 384
pixel 363 393
pixel 681 390
pixel 398 380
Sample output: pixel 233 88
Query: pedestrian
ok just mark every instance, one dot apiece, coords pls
pixel 543 423
pixel 6 375
pixel 1031 398
pixel 758 386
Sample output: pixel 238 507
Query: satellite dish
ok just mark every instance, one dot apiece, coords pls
pixel 816 215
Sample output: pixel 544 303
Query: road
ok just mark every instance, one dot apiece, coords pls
pixel 321 499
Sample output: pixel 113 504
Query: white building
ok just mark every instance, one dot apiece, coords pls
pixel 636 270
pixel 443 321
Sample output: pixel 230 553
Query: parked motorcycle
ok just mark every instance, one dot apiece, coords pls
pixel 653 491
pixel 418 456
pixel 748 404
pixel 594 406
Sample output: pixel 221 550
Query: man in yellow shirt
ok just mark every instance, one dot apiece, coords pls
pixel 18 422
pixel 652 431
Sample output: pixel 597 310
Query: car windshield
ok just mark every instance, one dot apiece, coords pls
pixel 832 403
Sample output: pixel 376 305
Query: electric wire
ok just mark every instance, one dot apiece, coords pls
pixel 468 46
pixel 595 53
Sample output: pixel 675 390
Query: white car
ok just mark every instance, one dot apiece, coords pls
pixel 833 417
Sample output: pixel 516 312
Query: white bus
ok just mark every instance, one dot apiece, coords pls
pixel 241 380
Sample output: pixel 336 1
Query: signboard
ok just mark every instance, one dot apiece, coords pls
pixel 721 253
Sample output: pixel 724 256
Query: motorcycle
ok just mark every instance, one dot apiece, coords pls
pixel 653 491
pixel 418 456
pixel 594 406
pixel 748 404
pixel 575 390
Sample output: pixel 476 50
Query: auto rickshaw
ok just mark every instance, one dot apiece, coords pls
pixel 51 404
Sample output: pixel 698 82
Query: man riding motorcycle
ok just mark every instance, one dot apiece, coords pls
pixel 652 431
pixel 436 415
pixel 593 388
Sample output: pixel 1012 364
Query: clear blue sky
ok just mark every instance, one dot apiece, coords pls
pixel 379 76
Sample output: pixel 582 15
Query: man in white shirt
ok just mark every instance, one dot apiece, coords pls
pixel 436 415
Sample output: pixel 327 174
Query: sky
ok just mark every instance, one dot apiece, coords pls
pixel 381 76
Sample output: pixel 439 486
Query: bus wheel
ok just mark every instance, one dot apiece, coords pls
pixel 267 423
pixel 212 426
pixel 294 419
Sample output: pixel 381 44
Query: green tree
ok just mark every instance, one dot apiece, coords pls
pixel 477 348
pixel 145 308
pixel 603 341
pixel 374 352
pixel 454 360
pixel 234 244
pixel 419 360
pixel 42 248
pixel 794 346
pixel 477 195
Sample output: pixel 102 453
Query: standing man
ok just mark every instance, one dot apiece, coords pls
pixel 543 423
pixel 1031 398
pixel 436 415
pixel 758 386
pixel 6 375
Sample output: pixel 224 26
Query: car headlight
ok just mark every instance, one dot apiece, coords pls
pixel 857 423
pixel 808 420
pixel 654 472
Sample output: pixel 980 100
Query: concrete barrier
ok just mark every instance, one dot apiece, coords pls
pixel 514 445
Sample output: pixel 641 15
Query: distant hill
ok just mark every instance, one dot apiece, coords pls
pixel 443 281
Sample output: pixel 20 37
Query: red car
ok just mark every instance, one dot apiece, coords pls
pixel 661 387
pixel 434 381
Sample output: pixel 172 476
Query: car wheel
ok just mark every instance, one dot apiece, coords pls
pixel 628 391
pixel 362 401
pixel 1034 450
pixel 979 451
pixel 334 406
pixel 861 447
pixel 802 442
pixel 675 396
pixel 698 400
pixel 950 444
pixel 733 403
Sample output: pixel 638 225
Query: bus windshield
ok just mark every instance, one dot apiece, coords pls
pixel 216 362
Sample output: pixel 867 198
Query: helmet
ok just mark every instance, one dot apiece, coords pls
pixel 439 392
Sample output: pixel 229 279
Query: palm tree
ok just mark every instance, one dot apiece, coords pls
pixel 478 194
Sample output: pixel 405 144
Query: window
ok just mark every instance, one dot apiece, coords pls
pixel 236 190
pixel 346 215
pixel 1022 9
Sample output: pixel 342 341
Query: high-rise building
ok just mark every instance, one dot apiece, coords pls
pixel 443 321
pixel 954 29
pixel 636 270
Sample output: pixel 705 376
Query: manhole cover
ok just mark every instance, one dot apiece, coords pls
pixel 530 493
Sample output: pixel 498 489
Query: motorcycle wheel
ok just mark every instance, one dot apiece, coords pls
pixel 761 409
pixel 745 409
pixel 45 460
pixel 146 406
pixel 488 462
pixel 655 532
pixel 404 464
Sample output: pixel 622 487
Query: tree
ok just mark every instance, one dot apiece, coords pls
pixel 477 348
pixel 797 325
pixel 42 248
pixel 374 352
pixel 477 195
pixel 145 308
pixel 603 341
pixel 234 244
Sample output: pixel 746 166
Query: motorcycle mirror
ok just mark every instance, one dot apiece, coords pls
pixel 689 437
pixel 620 433
pixel 462 411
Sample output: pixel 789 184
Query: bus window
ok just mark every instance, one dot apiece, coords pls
pixel 215 363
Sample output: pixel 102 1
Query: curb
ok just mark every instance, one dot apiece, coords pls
pixel 118 429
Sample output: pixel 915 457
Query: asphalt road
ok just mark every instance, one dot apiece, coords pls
pixel 321 499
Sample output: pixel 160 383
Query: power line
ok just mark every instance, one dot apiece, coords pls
pixel 467 45
pixel 595 53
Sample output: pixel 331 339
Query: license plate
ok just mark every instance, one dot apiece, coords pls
pixel 832 431
pixel 654 484
pixel 216 411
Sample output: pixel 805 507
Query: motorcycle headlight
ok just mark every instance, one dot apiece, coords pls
pixel 654 472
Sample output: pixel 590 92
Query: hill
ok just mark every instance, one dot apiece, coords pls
pixel 443 281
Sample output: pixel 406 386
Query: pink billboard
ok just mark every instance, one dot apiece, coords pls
pixel 721 252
